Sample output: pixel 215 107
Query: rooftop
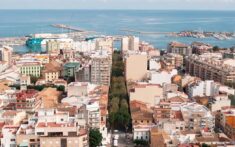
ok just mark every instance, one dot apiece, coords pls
pixel 71 65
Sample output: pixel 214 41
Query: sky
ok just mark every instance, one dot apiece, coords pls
pixel 119 4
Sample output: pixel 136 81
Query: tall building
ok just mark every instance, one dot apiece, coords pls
pixel 209 68
pixel 136 67
pixel 6 54
pixel 83 74
pixel 101 63
pixel 104 44
pixel 134 43
pixel 59 44
pixel 125 44
pixel 179 48
pixel 130 43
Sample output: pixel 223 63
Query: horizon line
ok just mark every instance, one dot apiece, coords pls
pixel 104 9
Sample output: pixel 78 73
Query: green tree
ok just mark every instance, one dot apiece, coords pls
pixel 34 79
pixel 140 142
pixel 114 104
pixel 124 117
pixel 205 145
pixel 60 88
pixel 95 138
pixel 216 49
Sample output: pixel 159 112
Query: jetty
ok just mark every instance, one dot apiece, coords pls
pixel 71 28
pixel 143 32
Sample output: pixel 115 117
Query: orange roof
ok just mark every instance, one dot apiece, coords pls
pixel 50 97
pixel 178 44
pixel 9 113
pixel 230 120
pixel 53 66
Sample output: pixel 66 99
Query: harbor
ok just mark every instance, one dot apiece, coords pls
pixel 202 34
pixel 13 41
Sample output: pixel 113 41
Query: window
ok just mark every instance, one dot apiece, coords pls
pixel 32 140
pixel 13 140
pixel 40 133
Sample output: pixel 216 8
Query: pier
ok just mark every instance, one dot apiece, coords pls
pixel 150 33
pixel 12 41
pixel 71 28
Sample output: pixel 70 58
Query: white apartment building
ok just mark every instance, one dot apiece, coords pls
pixel 197 117
pixel 80 88
pixel 154 64
pixel 141 132
pixel 203 88
pixel 93 115
pixel 130 43
pixel 84 46
pixel 9 136
pixel 219 102
pixel 161 77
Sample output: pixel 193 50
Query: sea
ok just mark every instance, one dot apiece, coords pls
pixel 15 23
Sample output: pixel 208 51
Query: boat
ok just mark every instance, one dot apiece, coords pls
pixel 34 42
pixel 219 37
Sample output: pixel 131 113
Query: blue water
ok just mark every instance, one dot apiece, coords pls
pixel 110 22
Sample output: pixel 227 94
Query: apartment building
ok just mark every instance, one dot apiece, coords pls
pixel 105 44
pixel 162 77
pixel 142 120
pixel 26 100
pixel 84 46
pixel 203 88
pixel 172 60
pixel 130 43
pixel 53 46
pixel 179 48
pixel 136 67
pixel 201 48
pixel 6 54
pixel 8 138
pixel 225 120
pixel 12 117
pixel 210 68
pixel 51 71
pixel 146 93
pixel 70 68
pixel 83 74
pixel 197 117
pixel 101 63
pixel 31 69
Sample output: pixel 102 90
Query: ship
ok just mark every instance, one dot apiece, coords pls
pixel 31 42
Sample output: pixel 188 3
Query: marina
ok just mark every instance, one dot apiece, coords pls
pixel 13 41
pixel 202 34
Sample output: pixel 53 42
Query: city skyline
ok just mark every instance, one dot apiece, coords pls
pixel 121 4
